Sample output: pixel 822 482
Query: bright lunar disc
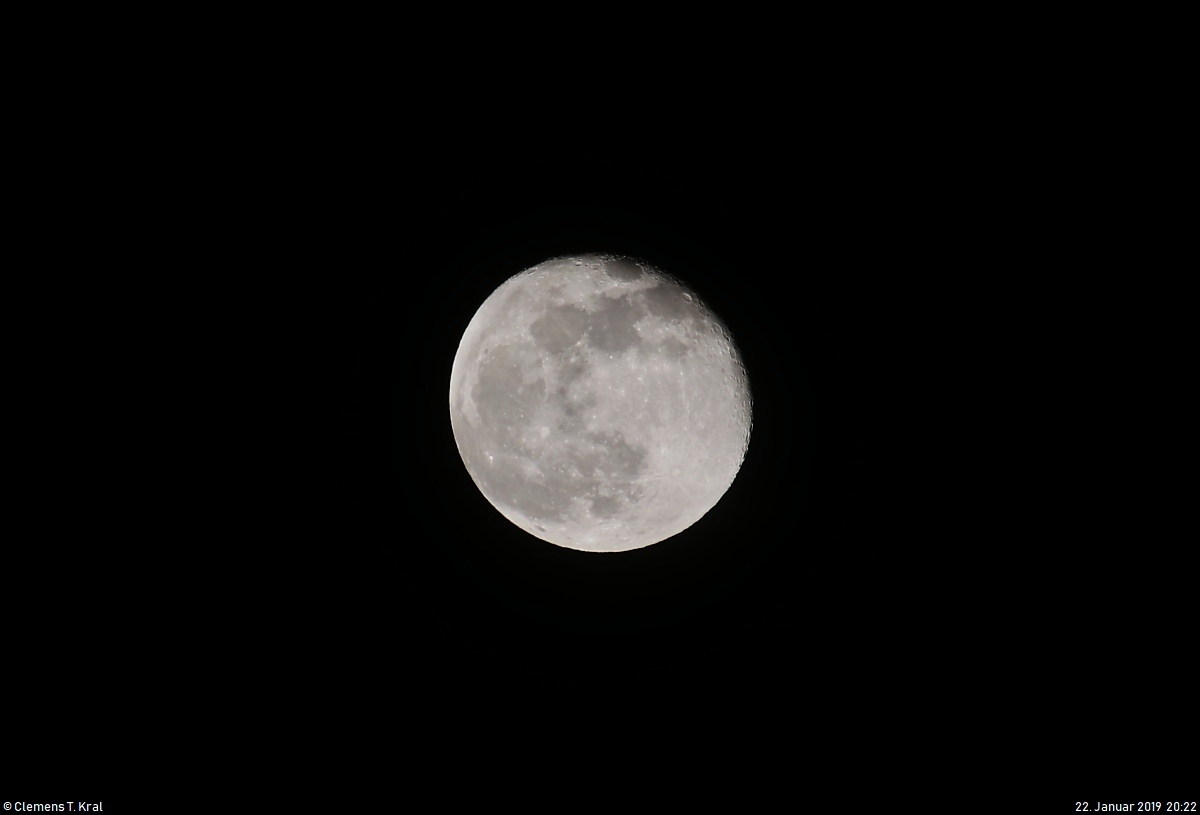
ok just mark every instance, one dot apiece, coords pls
pixel 598 404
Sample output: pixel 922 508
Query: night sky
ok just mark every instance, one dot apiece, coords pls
pixel 238 521
pixel 897 544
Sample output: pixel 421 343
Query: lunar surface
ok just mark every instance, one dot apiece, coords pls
pixel 598 404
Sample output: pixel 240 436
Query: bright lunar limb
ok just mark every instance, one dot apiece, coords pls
pixel 598 404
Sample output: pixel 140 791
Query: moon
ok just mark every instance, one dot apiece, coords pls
pixel 598 404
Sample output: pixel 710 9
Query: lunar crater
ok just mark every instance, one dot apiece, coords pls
pixel 623 269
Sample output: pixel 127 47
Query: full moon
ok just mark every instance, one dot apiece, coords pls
pixel 598 404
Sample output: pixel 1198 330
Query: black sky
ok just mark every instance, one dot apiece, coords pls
pixel 244 513
pixel 894 543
